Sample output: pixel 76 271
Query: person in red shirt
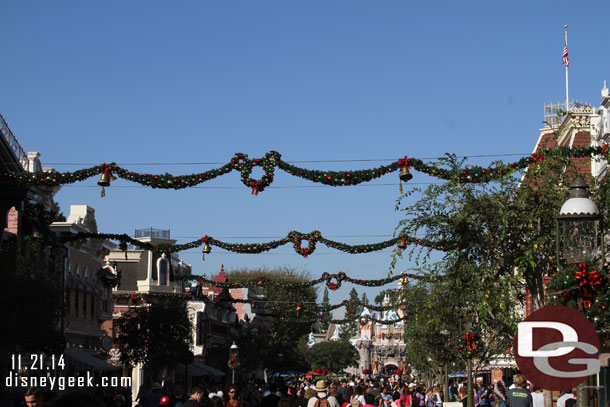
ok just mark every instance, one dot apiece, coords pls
pixel 233 401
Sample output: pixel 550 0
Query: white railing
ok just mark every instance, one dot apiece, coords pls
pixel 554 113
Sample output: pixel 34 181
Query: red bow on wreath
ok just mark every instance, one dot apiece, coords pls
pixel 537 157
pixel 587 280
pixel 470 340
pixel 604 148
pixel 105 168
pixel 404 162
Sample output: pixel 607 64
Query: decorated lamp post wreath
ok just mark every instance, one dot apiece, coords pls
pixel 233 363
pixel 580 235
pixel 470 346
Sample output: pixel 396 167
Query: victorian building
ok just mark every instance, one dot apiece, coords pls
pixel 87 292
pixel 147 275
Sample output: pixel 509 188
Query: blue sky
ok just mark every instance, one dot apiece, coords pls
pixel 197 81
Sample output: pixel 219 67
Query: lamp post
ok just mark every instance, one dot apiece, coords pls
pixel 234 360
pixel 445 334
pixel 579 225
pixel 580 228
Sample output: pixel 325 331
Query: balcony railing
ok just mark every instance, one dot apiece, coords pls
pixel 554 113
pixel 14 145
pixel 152 232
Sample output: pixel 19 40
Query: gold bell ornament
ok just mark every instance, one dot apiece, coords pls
pixel 206 250
pixel 405 175
pixel 403 243
pixel 105 181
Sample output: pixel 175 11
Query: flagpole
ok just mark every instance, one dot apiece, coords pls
pixel 567 97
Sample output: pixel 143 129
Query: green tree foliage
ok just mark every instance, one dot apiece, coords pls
pixel 333 355
pixel 501 235
pixel 439 314
pixel 156 336
pixel 31 297
pixel 326 315
pixel 484 228
pixel 352 326
pixel 56 213
pixel 286 330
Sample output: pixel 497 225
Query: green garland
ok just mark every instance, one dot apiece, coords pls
pixel 294 237
pixel 350 306
pixel 332 281
pixel 341 321
pixel 240 162
pixel 138 298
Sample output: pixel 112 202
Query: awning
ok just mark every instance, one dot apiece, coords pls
pixel 88 361
pixel 193 370
pixel 210 371
pixel 458 374
pixel 199 368
pixel 501 362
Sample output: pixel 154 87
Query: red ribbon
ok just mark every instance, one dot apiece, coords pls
pixel 105 168
pixel 470 343
pixel 255 187
pixel 604 148
pixel 537 157
pixel 586 278
pixel 205 239
pixel 404 162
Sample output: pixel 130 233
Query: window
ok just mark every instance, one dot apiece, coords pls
pixel 105 300
pixel 163 269
pixel 92 306
pixel 76 303
pixel 84 305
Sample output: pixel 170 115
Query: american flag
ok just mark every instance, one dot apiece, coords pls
pixel 566 60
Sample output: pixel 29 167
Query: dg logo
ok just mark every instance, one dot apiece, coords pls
pixel 557 348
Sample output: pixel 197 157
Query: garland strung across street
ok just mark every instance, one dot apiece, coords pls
pixel 332 281
pixel 344 321
pixel 136 298
pixel 351 306
pixel 240 162
pixel 294 237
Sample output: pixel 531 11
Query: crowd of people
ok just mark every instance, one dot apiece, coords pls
pixel 348 392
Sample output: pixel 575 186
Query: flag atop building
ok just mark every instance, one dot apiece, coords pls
pixel 566 60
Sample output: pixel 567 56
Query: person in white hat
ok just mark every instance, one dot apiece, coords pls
pixel 322 399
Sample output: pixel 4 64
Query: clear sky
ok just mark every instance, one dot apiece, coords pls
pixel 197 81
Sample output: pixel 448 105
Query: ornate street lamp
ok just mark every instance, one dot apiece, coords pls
pixel 579 226
pixel 233 360
pixel 581 231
